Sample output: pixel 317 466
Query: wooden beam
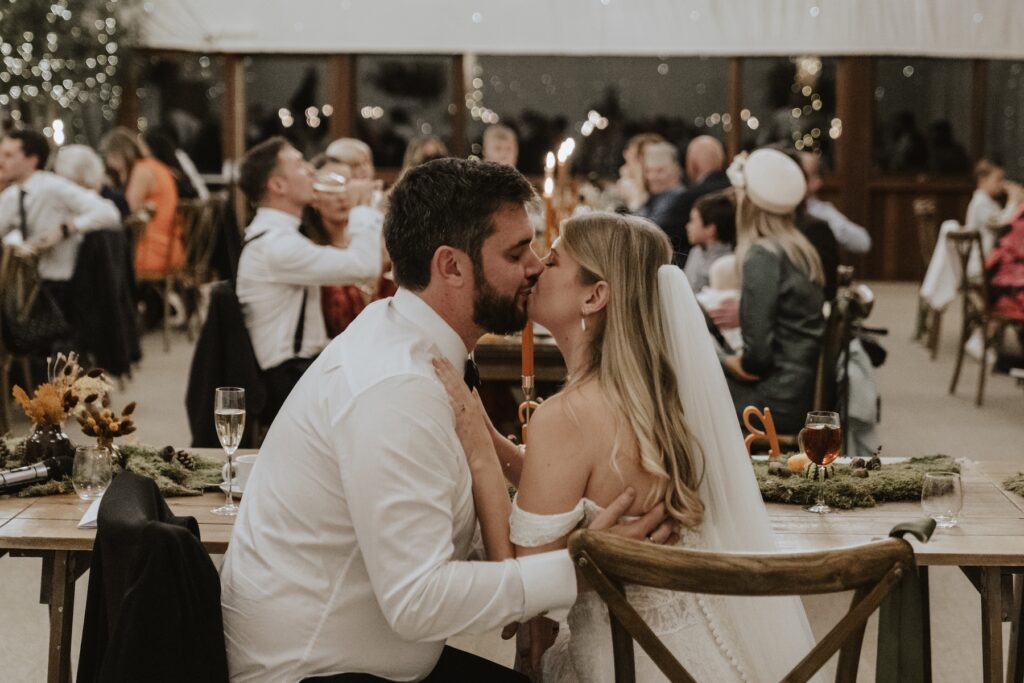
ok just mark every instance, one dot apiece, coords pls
pixel 854 108
pixel 341 94
pixel 457 109
pixel 234 107
pixel 128 112
pixel 979 109
pixel 734 134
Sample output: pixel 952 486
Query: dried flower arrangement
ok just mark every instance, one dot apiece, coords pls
pixel 105 425
pixel 68 383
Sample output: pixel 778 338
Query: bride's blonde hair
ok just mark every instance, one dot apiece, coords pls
pixel 629 352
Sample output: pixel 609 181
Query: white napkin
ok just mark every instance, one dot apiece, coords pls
pixel 88 520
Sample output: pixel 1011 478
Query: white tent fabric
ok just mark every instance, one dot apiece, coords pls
pixel 940 28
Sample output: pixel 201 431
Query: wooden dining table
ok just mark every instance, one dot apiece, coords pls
pixel 987 545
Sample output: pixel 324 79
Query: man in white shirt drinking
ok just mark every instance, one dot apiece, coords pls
pixel 46 214
pixel 349 559
pixel 281 270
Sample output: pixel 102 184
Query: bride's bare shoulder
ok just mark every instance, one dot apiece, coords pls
pixel 576 411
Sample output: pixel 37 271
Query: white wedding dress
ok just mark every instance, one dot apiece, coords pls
pixel 693 627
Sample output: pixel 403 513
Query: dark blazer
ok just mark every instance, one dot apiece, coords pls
pixel 104 309
pixel 223 358
pixel 713 182
pixel 152 612
pixel 821 237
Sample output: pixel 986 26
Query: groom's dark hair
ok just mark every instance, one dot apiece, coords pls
pixel 446 202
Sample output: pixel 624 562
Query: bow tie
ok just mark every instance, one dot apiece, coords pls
pixel 471 374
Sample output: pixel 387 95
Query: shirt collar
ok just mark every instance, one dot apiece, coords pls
pixel 269 219
pixel 31 183
pixel 419 312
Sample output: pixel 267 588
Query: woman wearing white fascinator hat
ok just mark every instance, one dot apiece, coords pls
pixel 782 291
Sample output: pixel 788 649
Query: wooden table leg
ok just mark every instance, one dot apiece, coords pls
pixel 61 568
pixel 1015 665
pixel 991 625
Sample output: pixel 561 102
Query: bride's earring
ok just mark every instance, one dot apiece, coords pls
pixel 583 323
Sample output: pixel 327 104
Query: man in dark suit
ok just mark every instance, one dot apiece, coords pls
pixel 705 169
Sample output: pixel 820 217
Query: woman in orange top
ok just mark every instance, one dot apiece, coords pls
pixel 150 189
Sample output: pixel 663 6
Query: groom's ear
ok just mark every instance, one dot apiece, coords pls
pixel 451 266
pixel 597 299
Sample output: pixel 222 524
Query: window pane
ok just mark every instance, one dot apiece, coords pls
pixel 399 98
pixel 185 95
pixel 285 96
pixel 790 101
pixel 601 101
pixel 923 114
pixel 1006 116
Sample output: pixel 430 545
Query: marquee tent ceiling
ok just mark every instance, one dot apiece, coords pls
pixel 950 28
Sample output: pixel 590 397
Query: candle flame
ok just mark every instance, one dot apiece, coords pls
pixel 549 161
pixel 565 150
pixel 549 186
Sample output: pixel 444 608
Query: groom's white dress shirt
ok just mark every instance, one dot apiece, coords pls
pixel 350 551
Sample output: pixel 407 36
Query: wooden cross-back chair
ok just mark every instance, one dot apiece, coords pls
pixel 19 279
pixel 200 222
pixel 976 307
pixel 609 562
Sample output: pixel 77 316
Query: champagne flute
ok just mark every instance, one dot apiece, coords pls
pixel 821 439
pixel 229 419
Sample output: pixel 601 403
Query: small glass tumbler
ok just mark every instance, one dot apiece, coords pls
pixel 92 471
pixel 942 498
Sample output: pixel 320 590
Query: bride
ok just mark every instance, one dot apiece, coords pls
pixel 646 406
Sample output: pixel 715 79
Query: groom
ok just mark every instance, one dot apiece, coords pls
pixel 349 558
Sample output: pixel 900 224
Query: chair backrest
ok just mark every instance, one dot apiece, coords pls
pixel 200 219
pixel 870 570
pixel 927 223
pixel 973 290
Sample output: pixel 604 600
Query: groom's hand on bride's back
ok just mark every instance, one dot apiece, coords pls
pixel 655 526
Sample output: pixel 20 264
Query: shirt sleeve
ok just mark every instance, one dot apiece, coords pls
pixel 852 237
pixel 400 467
pixel 295 260
pixel 762 272
pixel 89 210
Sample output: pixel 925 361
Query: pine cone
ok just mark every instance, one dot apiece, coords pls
pixel 186 460
pixel 167 453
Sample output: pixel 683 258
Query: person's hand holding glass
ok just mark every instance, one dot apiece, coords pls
pixel 229 419
pixel 821 439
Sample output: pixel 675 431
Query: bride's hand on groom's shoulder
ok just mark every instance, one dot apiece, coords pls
pixel 471 423
pixel 655 526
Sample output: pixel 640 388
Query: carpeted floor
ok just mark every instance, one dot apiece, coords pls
pixel 918 417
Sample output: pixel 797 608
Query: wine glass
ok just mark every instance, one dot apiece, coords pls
pixel 942 498
pixel 821 439
pixel 91 472
pixel 229 419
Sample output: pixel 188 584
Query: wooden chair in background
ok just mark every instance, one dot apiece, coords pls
pixel 977 310
pixel 19 279
pixel 609 562
pixel 200 223
pixel 929 320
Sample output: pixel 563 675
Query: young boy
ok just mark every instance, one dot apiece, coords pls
pixel 712 232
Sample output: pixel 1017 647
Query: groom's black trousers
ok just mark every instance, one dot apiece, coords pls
pixel 454 666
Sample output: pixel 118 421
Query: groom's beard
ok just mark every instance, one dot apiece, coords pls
pixel 494 312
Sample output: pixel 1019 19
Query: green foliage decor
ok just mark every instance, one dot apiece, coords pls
pixel 896 481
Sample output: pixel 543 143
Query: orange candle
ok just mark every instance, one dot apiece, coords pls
pixel 550 219
pixel 528 349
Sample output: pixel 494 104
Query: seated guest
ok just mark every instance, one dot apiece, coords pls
pixel 280 271
pixel 423 149
pixel 325 221
pixel 630 185
pixel 501 145
pixel 705 170
pixel 165 150
pixel 851 237
pixel 663 180
pixel 151 192
pixel 357 154
pixel 782 297
pixel 1005 267
pixel 984 213
pixel 49 211
pixel 712 232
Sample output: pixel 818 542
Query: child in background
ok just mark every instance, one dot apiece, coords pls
pixel 712 233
